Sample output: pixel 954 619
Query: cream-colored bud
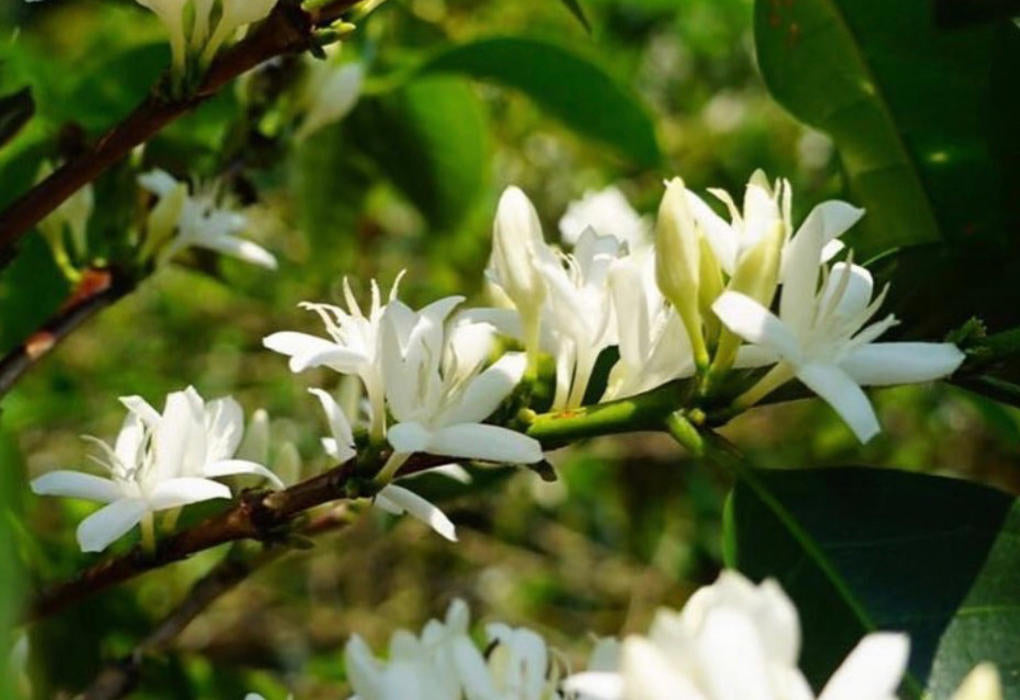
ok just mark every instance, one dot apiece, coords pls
pixel 982 683
pixel 163 220
pixel 677 262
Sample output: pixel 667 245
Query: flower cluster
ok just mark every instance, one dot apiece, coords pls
pixel 160 461
pixel 709 309
pixel 733 640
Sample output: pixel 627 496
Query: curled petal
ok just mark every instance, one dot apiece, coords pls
pixel 400 500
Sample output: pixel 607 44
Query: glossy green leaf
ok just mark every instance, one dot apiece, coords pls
pixel 863 549
pixel 570 87
pixel 923 116
pixel 430 139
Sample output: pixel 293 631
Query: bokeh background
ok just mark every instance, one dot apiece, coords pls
pixel 408 180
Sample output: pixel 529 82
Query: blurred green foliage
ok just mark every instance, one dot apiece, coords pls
pixel 408 180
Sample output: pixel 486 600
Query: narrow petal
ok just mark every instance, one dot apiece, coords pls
pixel 224 423
pixel 108 524
pixel 802 260
pixel 239 248
pixel 409 438
pixel 595 685
pixel 484 393
pixel 756 324
pixel 837 218
pixel 844 395
pixel 490 443
pixel 231 467
pixel 872 671
pixel 417 507
pixel 77 485
pixel 143 409
pixel 298 346
pixel 884 364
pixel 339 426
pixel 174 493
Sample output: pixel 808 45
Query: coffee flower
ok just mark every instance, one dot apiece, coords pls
pixel 330 93
pixel 438 391
pixel 820 336
pixel 158 462
pixel 737 640
pixel 354 346
pixel 202 219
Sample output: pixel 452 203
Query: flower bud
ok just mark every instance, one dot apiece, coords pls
pixel 516 246
pixel 677 262
pixel 163 219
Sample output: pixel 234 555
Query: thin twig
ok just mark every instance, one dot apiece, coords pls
pixel 288 29
pixel 258 515
pixel 97 290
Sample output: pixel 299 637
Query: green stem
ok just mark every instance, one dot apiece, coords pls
pixel 148 525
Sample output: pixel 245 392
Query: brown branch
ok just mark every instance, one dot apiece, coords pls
pixel 258 515
pixel 287 29
pixel 98 289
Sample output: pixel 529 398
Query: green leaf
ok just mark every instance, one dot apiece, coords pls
pixel 430 139
pixel 15 111
pixel 863 549
pixel 570 87
pixel 921 115
pixel 574 6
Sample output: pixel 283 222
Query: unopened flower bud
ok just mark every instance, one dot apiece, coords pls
pixel 677 262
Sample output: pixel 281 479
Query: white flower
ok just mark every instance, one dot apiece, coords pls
pixel 330 94
pixel 520 664
pixel 159 462
pixel 354 346
pixel 437 391
pixel 821 338
pixel 199 219
pixel 513 271
pixel 653 345
pixel 734 640
pixel 391 498
pixel 441 664
pixel 610 214
pixel 580 313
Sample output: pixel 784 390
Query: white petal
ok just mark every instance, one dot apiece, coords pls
pixel 595 685
pixel 364 672
pixel 77 485
pixel 883 364
pixel 720 235
pixel 96 532
pixel 485 392
pixel 179 440
pixel 239 248
pixel 844 395
pixel 801 263
pixel 419 508
pixel 649 675
pixel 175 493
pixel 732 656
pixel 224 422
pixel 409 438
pixel 299 346
pixel 749 356
pixel 490 443
pixel 872 671
pixel 855 286
pixel 837 218
pixel 231 467
pixel 143 409
pixel 158 182
pixel 339 426
pixel 756 324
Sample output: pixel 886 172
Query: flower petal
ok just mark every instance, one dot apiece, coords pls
pixel 884 364
pixel 409 437
pixel 303 348
pixel 801 262
pixel 72 484
pixel 231 467
pixel 490 443
pixel 143 409
pixel 756 324
pixel 339 426
pixel 595 685
pixel 174 493
pixel 485 392
pixel 224 424
pixel 238 248
pixel 96 532
pixel 872 671
pixel 417 507
pixel 844 395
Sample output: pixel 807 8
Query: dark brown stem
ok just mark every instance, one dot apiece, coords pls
pixel 98 289
pixel 287 29
pixel 256 516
